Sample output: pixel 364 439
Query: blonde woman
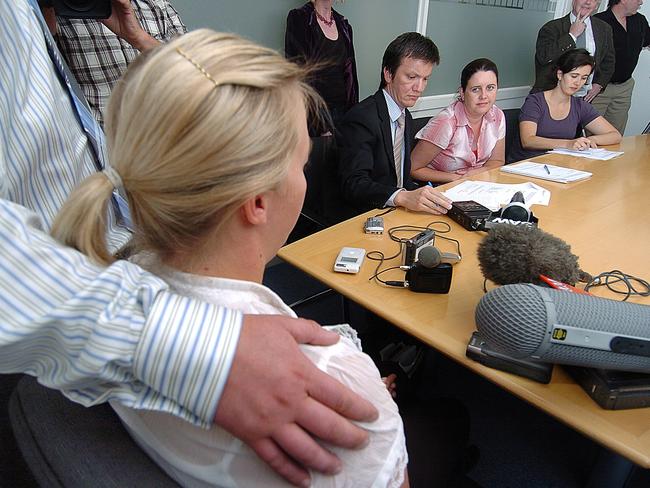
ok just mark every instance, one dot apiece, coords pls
pixel 208 144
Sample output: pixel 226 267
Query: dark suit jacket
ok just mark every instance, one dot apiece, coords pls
pixel 554 39
pixel 366 166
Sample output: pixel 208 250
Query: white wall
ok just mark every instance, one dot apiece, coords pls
pixel 640 111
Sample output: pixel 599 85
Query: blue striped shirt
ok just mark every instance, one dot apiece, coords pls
pixel 95 333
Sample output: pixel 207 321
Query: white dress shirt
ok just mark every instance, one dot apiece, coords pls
pixel 590 45
pixel 96 333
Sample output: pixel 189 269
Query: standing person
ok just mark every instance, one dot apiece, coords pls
pixel 375 135
pixel 317 33
pixel 578 29
pixel 551 118
pixel 58 308
pixel 98 57
pixel 631 34
pixel 193 197
pixel 468 136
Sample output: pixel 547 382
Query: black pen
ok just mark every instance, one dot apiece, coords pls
pixel 548 171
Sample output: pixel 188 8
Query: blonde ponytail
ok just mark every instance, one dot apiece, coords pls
pixel 81 222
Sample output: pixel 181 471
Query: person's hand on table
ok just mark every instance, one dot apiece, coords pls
pixel 424 199
pixel 277 401
pixel 581 143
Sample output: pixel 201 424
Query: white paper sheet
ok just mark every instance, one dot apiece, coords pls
pixel 495 195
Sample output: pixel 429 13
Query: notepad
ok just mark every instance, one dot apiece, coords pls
pixel 594 153
pixel 546 172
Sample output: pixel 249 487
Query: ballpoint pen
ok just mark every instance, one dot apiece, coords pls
pixel 548 171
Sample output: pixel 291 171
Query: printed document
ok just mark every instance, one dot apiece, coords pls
pixel 495 195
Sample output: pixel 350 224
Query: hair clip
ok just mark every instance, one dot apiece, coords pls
pixel 197 65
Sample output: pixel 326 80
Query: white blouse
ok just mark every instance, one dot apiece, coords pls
pixel 196 457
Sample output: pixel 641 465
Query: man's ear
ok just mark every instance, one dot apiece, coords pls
pixel 388 78
pixel 254 211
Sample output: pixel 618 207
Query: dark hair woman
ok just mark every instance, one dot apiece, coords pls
pixel 468 136
pixel 552 119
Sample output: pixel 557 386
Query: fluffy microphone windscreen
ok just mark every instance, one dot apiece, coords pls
pixel 519 254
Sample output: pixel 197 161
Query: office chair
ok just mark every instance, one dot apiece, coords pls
pixel 512 131
pixel 66 445
pixel 319 209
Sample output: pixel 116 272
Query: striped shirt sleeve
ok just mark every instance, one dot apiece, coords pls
pixel 114 333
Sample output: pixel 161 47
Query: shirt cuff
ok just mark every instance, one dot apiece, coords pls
pixel 391 201
pixel 573 37
pixel 186 352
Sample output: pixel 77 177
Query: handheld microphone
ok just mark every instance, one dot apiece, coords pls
pixel 520 254
pixel 431 273
pixel 516 210
pixel 514 213
pixel 530 322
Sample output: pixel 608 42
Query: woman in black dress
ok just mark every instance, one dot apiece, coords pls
pixel 316 33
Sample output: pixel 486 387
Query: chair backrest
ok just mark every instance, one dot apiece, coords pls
pixel 323 194
pixel 512 131
pixel 417 125
pixel 68 445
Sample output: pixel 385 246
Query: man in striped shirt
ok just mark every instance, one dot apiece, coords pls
pixel 118 333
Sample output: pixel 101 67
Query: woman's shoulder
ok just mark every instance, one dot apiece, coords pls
pixel 440 126
pixel 534 98
pixel 449 113
pixel 302 12
pixel 534 104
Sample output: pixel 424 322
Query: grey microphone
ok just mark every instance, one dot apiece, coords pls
pixel 526 321
pixel 430 257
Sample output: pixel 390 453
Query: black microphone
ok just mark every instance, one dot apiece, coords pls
pixel 430 273
pixel 514 213
pixel 516 210
pixel 519 254
pixel 530 322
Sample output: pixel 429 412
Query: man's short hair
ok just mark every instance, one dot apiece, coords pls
pixel 408 45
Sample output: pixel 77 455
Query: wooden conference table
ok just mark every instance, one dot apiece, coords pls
pixel 606 221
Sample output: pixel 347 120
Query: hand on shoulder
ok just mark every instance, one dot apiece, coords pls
pixel 277 401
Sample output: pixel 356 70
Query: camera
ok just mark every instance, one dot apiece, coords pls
pixel 413 246
pixel 80 9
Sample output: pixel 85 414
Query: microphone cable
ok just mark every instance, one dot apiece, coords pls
pixel 381 257
pixel 610 278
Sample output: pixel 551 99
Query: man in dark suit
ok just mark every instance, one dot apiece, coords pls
pixel 577 29
pixel 375 135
